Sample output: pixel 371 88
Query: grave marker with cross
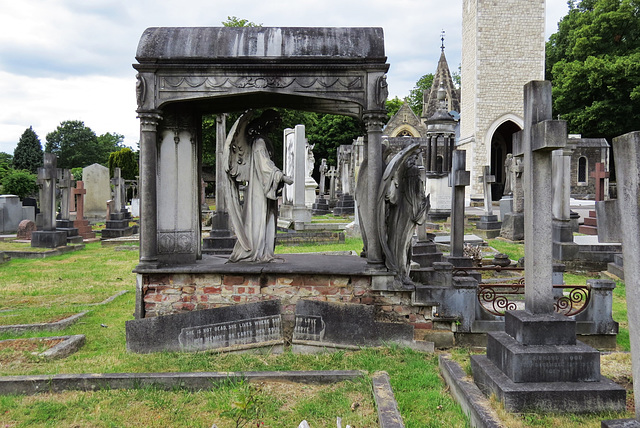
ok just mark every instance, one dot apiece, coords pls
pixel 118 183
pixel 458 179
pixel 332 174
pixel 599 176
pixel 65 183
pixel 486 179
pixel 47 175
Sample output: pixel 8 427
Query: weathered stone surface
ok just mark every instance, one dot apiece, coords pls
pixel 25 228
pixel 227 328
pixel 547 329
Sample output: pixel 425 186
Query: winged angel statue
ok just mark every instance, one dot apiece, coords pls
pixel 247 161
pixel 401 205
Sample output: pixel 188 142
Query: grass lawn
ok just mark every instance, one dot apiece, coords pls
pixel 36 290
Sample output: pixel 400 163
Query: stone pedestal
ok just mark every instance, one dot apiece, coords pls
pixel 84 229
pixel 563 246
pixel 320 206
pixel 513 226
pixel 345 205
pixel 426 253
pixel 118 225
pixel 68 227
pixel 506 206
pixel 590 226
pixel 537 364
pixel 48 238
pixel 488 227
pixel 221 240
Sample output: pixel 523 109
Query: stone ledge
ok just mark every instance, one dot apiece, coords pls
pixel 30 385
pixel 43 254
pixel 475 405
pixel 66 347
pixel 388 413
pixel 42 326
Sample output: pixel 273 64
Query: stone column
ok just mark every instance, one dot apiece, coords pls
pixel 47 182
pixel 540 137
pixel 148 196
pixel 563 246
pixel 458 179
pixel 626 149
pixel 374 121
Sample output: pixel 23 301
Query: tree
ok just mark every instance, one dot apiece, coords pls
pixel 330 132
pixel 21 183
pixel 76 145
pixel 126 160
pixel 393 105
pixel 109 143
pixel 416 95
pixel 28 153
pixel 593 62
pixel 5 164
pixel 233 21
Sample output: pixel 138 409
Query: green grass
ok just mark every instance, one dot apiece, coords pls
pixel 514 250
pixel 350 244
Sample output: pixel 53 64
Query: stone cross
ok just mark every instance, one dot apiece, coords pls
pixel 486 179
pixel 626 215
pixel 600 175
pixel 79 191
pixel 118 191
pixel 323 170
pixel 332 174
pixel 458 179
pixel 65 183
pixel 539 138
pixel 47 182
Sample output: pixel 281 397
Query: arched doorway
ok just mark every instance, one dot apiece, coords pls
pixel 501 145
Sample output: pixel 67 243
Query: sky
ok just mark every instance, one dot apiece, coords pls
pixel 72 59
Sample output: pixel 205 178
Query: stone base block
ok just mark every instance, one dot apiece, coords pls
pixel 460 261
pixel 116 224
pixel 565 250
pixel 572 363
pixel 620 423
pixel 513 227
pixel 117 233
pixel 533 329
pixel 218 243
pixel 569 397
pixel 487 233
pixel 48 239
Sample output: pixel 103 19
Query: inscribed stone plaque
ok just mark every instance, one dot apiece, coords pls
pixel 246 326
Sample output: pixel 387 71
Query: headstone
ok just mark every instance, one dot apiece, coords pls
pixel 221 239
pixel 563 246
pixel 96 183
pixel 459 178
pixel 513 221
pixel 65 183
pixel 231 328
pixel 81 223
pixel 25 229
pixel 296 154
pixel 321 205
pixel 322 325
pixel 118 190
pixel 621 221
pixel 48 237
pixel 10 213
pixel 332 174
pixel 536 363
pixel 488 226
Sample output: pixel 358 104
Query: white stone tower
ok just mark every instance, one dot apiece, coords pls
pixel 502 49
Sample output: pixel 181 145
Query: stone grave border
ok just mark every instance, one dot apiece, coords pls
pixel 386 406
pixel 58 325
pixel 43 254
pixel 68 346
pixel 463 389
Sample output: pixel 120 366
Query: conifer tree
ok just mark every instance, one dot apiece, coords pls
pixel 28 153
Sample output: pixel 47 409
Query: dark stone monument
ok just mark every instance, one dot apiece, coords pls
pixel 459 178
pixel 321 325
pixel 537 363
pixel 117 224
pixel 488 226
pixel 48 237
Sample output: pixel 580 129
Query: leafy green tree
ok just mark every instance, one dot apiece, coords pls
pixel 393 106
pixel 5 164
pixel 28 153
pixel 233 21
pixel 126 160
pixel 416 95
pixel 330 132
pixel 77 173
pixel 76 145
pixel 593 62
pixel 21 183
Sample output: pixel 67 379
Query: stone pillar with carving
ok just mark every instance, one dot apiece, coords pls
pixel 374 121
pixel 148 193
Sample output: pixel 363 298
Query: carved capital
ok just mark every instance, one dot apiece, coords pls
pixel 374 120
pixel 149 120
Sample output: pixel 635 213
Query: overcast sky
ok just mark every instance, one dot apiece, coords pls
pixel 71 59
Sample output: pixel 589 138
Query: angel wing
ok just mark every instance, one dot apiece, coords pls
pixel 236 159
pixel 388 191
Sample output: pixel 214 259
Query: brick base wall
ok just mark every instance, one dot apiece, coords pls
pixel 164 294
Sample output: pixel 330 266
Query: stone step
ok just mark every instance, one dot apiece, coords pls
pixel 591 221
pixel 616 270
pixel 588 230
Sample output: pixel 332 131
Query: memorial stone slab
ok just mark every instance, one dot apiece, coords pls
pixel 10 213
pixel 230 328
pixel 96 183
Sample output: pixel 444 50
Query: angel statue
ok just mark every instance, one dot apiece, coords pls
pixel 247 160
pixel 402 205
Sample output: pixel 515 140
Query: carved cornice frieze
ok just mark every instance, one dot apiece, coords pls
pixel 149 120
pixel 176 242
pixel 234 83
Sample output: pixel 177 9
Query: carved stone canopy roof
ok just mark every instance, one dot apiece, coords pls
pixel 223 69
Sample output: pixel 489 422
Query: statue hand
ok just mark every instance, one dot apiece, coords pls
pixel 287 180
